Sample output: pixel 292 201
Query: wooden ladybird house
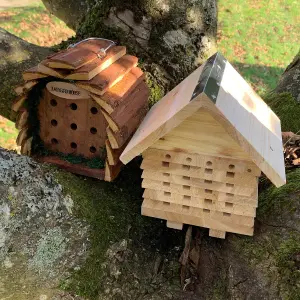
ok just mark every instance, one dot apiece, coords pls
pixel 204 146
pixel 81 106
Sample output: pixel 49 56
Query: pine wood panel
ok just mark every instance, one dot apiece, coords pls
pixel 23 135
pixel 201 134
pixel 111 172
pixel 166 114
pixel 202 161
pixel 27 86
pixel 33 73
pixel 190 182
pixel 58 73
pixel 209 173
pixel 229 207
pixel 198 192
pixel 198 217
pixel 19 102
pixel 22 118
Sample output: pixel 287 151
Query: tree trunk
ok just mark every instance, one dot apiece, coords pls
pixel 170 38
pixel 16 57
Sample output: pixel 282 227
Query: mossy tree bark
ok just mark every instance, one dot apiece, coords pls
pixel 16 56
pixel 170 38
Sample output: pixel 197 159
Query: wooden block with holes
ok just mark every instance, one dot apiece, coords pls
pixel 82 105
pixel 204 145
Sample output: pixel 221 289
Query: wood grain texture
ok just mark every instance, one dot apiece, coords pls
pixel 91 69
pixel 72 126
pixel 165 115
pixel 27 86
pixel 174 225
pixel 201 161
pixel 33 73
pixel 115 96
pixel 245 209
pixel 113 155
pixel 201 192
pixel 22 118
pixel 58 73
pixel 112 172
pixel 217 233
pixel 22 136
pixel 119 138
pixel 76 57
pixel 198 217
pixel 110 76
pixel 207 173
pixel 186 182
pixel 19 102
pixel 26 146
pixel 201 134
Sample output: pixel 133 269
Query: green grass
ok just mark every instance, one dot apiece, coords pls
pixel 35 24
pixel 260 37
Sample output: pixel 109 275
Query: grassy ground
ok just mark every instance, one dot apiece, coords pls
pixel 260 37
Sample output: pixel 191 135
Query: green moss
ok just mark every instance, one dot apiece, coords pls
pixel 113 212
pixel 288 263
pixel 286 108
pixel 156 90
pixel 272 199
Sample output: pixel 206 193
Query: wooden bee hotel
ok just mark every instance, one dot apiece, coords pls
pixel 78 108
pixel 204 145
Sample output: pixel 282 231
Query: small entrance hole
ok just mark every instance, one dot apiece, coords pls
pixel 93 130
pixel 54 141
pixel 53 102
pixel 73 106
pixel 93 149
pixel 54 123
pixel 73 145
pixel 73 126
pixel 94 110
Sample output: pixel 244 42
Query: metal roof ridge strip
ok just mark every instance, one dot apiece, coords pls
pixel 211 77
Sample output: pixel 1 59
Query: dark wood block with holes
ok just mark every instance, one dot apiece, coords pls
pixel 74 123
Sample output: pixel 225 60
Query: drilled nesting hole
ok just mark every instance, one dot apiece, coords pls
pixel 186 187
pixel 54 123
pixel 208 191
pixel 167 194
pixel 54 141
pixel 186 197
pixel 229 184
pixel 205 210
pixel 228 204
pixel 231 167
pixel 208 171
pixel 185 167
pixel 166 183
pixel 226 214
pixel 93 149
pixel 230 174
pixel 186 178
pixel 166 203
pixel 208 181
pixel 73 126
pixel 94 110
pixel 185 207
pixel 188 159
pixel 73 106
pixel 73 145
pixel 53 102
pixel 168 156
pixel 229 195
pixel 249 170
pixel 207 201
pixel 209 163
pixel 165 164
pixel 93 130
pixel 166 174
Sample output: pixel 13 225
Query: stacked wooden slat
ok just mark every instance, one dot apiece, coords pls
pixel 114 83
pixel 218 193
